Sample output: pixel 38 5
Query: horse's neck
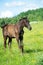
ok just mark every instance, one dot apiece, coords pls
pixel 21 26
pixel 21 29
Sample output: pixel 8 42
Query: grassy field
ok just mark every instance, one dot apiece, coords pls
pixel 33 48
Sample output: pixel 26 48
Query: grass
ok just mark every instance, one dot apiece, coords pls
pixel 33 48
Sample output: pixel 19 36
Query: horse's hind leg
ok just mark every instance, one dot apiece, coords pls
pixel 9 42
pixel 5 38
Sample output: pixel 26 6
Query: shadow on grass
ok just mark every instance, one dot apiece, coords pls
pixel 32 50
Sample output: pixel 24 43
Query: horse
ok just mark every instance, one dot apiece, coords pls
pixel 15 31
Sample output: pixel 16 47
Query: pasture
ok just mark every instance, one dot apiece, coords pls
pixel 33 48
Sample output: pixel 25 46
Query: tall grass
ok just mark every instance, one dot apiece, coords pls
pixel 33 48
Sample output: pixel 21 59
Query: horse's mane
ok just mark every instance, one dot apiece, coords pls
pixel 21 20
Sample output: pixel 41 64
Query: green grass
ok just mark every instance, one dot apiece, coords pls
pixel 33 47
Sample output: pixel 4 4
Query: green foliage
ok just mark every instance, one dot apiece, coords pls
pixel 32 15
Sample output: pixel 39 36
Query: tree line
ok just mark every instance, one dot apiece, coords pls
pixel 32 15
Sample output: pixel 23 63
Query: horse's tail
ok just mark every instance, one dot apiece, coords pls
pixel 3 24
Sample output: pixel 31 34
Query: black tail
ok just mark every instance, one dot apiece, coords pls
pixel 3 24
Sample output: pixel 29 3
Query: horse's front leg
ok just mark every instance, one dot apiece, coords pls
pixel 21 44
pixel 17 38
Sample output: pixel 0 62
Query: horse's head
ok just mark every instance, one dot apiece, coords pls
pixel 26 23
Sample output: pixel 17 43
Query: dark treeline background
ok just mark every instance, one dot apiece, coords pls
pixel 32 15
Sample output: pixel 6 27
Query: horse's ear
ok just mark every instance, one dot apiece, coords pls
pixel 20 19
pixel 24 17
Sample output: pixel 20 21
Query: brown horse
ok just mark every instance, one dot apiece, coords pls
pixel 15 31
